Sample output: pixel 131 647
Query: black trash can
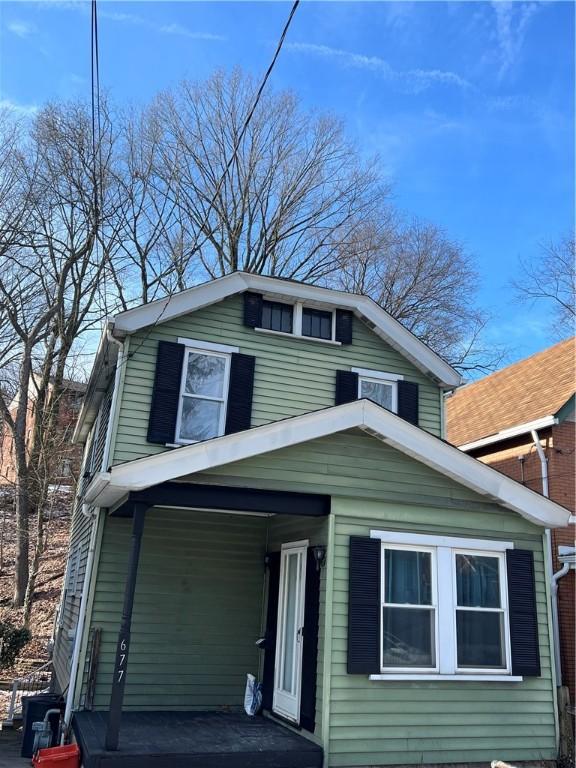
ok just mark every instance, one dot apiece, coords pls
pixel 34 709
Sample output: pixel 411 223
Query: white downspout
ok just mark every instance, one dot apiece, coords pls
pixel 80 626
pixel 553 577
pixel 113 404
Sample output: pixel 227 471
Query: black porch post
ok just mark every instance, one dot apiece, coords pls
pixel 123 647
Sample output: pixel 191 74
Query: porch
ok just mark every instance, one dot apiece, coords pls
pixel 202 571
pixel 194 740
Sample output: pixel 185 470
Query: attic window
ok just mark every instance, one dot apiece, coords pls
pixel 317 324
pixel 277 316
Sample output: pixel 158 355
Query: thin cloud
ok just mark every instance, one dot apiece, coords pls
pixel 20 110
pixel 21 28
pixel 178 29
pixel 512 22
pixel 412 80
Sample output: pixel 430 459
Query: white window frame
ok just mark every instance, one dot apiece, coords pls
pixel 215 350
pixel 444 580
pixel 433 605
pixel 380 377
pixel 297 309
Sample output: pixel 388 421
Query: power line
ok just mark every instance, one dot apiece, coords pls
pixel 228 164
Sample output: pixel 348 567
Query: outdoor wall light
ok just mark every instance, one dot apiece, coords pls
pixel 319 553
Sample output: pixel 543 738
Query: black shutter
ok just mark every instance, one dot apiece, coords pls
pixel 346 387
pixel 253 310
pixel 523 615
pixel 310 644
pixel 166 392
pixel 240 389
pixel 344 320
pixel 408 401
pixel 364 606
pixel 273 559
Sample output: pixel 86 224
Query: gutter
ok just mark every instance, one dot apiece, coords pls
pixel 114 404
pixel 506 434
pixel 553 577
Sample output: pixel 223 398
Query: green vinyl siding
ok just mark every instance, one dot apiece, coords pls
pixel 292 376
pixel 388 722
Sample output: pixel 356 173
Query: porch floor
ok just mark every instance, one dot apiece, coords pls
pixel 194 740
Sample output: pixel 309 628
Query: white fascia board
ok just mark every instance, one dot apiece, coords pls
pixel 96 388
pixel 362 414
pixel 383 324
pixel 507 434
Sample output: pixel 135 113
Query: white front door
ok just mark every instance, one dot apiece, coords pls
pixel 288 664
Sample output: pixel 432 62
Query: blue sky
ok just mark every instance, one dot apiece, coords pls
pixel 470 105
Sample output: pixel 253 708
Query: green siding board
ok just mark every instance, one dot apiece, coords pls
pixel 292 376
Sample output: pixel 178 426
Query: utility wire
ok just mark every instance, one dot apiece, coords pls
pixel 228 165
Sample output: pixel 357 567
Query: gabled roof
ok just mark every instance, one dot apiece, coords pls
pixel 383 324
pixel 108 488
pixel 528 393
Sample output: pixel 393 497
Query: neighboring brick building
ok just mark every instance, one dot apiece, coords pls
pixel 67 457
pixel 493 420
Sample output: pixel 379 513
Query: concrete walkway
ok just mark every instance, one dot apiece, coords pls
pixel 10 749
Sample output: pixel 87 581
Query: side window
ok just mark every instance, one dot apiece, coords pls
pixel 203 396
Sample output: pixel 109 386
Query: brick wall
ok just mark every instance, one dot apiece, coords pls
pixel 519 460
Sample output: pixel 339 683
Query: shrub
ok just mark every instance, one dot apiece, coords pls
pixel 12 640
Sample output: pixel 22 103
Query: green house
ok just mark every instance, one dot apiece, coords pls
pixel 266 491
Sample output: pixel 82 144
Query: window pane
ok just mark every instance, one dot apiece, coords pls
pixel 408 637
pixel 205 375
pixel 200 419
pixel 407 577
pixel 317 323
pixel 378 392
pixel 477 581
pixel 480 639
pixel 277 316
pixel 290 622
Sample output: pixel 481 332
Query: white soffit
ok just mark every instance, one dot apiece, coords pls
pixel 383 324
pixel 107 488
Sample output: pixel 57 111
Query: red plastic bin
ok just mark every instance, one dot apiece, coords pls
pixel 60 757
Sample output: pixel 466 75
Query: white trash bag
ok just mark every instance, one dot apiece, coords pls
pixel 252 696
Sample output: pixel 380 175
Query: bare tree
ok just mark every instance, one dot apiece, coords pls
pixel 424 280
pixel 49 288
pixel 295 179
pixel 552 276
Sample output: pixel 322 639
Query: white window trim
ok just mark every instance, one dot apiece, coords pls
pixel 208 346
pixel 379 377
pixel 444 580
pixel 297 309
pixel 216 350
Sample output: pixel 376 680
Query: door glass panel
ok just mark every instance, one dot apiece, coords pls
pixel 477 581
pixel 205 375
pixel 480 639
pixel 408 637
pixel 290 622
pixel 408 577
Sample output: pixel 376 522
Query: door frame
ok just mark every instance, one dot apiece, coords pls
pixel 300 546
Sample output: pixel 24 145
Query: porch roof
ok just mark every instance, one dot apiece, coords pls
pixel 108 488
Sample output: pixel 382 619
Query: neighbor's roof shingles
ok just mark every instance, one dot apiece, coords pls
pixel 529 390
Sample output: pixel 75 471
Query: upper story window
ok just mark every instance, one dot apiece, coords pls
pixel 379 386
pixel 203 395
pixel 277 316
pixel 317 323
pixel 332 326
pixel 444 607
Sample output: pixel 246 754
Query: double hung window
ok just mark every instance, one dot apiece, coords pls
pixel 203 395
pixel 444 607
